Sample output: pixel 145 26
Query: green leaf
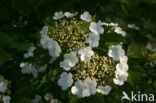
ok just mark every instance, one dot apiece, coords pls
pixel 136 50
pixel 135 74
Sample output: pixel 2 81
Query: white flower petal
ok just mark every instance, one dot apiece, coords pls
pixel 104 90
pixel 86 16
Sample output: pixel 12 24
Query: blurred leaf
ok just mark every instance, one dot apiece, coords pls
pixel 136 50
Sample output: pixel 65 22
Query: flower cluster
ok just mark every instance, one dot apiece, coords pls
pixel 48 97
pixel 49 43
pixel 30 52
pixel 118 54
pixel 3 88
pixel 83 68
pixel 29 68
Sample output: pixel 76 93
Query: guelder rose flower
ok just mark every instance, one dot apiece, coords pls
pixel 6 99
pixel 120 77
pixel 69 15
pixel 36 99
pixel 119 30
pixel 122 67
pixel 104 90
pixel 86 16
pixel 3 87
pixel 65 80
pixel 45 41
pixel 96 28
pixel 27 67
pixel 69 61
pixel 58 15
pixel 116 51
pixel 44 31
pixel 123 59
pixel 133 26
pixel 84 89
pixel 149 47
pixel 91 85
pixel 54 49
pixel 93 39
pixel 48 96
pixel 30 52
pixel 80 89
pixel 86 53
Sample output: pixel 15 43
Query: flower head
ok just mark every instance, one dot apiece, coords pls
pixel 69 61
pixel 84 89
pixel 122 67
pixel 86 16
pixel 93 40
pixel 80 89
pixel 96 28
pixel 91 85
pixel 48 96
pixel 116 51
pixel 3 87
pixel 30 52
pixel 120 77
pixel 36 99
pixel 44 31
pixel 119 30
pixel 69 14
pixel 58 15
pixel 65 80
pixel 104 90
pixel 86 53
pixel 133 26
pixel 6 99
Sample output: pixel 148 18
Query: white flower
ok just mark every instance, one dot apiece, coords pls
pixel 42 68
pixel 48 96
pixel 69 15
pixel 122 67
pixel 50 44
pixel 96 28
pixel 109 24
pixel 54 101
pixel 91 85
pixel 116 51
pixel 80 89
pixel 69 61
pixel 6 99
pixel 45 41
pixel 86 53
pixel 58 15
pixel 149 47
pixel 104 90
pixel 123 59
pixel 133 26
pixel 65 80
pixel 119 30
pixel 120 77
pixel 3 87
pixel 86 16
pixel 36 99
pixel 93 40
pixel 27 67
pixel 30 52
pixel 54 49
pixel 44 31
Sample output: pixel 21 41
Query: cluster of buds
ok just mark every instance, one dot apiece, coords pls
pixel 70 34
pixel 99 68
